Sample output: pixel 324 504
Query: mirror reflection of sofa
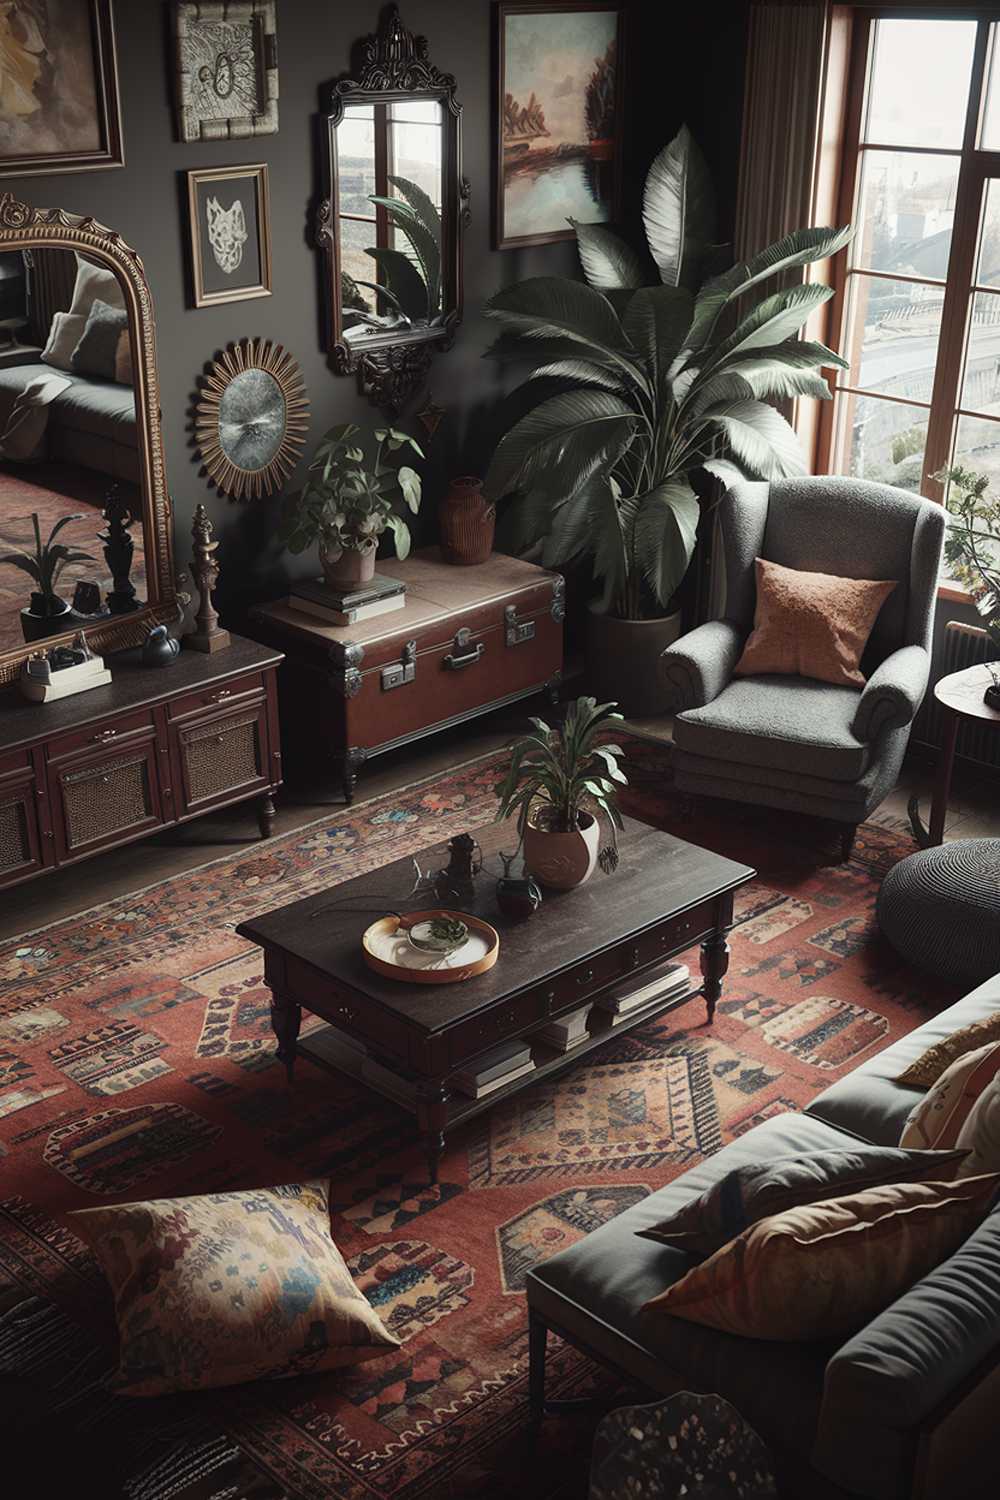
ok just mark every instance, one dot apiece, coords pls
pixel 75 329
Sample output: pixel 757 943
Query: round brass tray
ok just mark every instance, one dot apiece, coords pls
pixel 429 968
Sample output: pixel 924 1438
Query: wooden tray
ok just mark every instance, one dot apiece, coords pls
pixel 429 968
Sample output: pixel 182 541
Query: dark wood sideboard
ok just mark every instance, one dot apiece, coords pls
pixel 155 746
pixel 470 639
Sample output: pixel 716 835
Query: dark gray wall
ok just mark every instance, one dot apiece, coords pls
pixel 676 68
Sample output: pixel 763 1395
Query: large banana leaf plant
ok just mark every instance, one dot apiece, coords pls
pixel 656 382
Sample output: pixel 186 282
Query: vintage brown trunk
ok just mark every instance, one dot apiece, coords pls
pixel 468 640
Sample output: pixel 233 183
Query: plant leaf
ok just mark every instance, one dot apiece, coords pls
pixel 421 203
pixel 409 483
pixel 678 210
pixel 656 322
pixel 760 438
pixel 425 244
pixel 401 534
pixel 563 441
pixel 583 371
pixel 772 321
pixel 609 262
pixel 556 307
pixel 725 470
pixel 665 531
pixel 402 278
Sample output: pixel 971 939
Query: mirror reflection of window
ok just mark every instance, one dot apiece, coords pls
pixel 377 143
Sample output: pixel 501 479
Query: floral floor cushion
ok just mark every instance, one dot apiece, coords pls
pixel 229 1287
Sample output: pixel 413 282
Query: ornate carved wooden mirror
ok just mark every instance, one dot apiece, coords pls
pixel 84 512
pixel 392 211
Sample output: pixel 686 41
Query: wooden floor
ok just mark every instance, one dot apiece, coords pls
pixel 974 812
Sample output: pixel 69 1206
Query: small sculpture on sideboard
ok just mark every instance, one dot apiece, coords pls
pixel 208 634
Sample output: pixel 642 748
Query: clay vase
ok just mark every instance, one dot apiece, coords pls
pixel 467 521
pixel 561 860
pixel 348 568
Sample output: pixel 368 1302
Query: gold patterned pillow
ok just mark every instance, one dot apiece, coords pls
pixel 937 1118
pixel 229 1287
pixel 823 1270
pixel 929 1066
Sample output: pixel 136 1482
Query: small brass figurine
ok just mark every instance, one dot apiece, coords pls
pixel 208 634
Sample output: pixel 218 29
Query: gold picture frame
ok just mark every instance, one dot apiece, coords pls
pixel 251 416
pixel 230 233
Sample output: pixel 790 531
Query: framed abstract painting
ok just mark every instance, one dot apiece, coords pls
pixel 230 233
pixel 558 119
pixel 59 109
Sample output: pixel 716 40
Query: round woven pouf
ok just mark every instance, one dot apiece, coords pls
pixel 940 909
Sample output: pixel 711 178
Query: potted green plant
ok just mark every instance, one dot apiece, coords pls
pixel 557 783
pixel 411 280
pixel 44 566
pixel 651 388
pixel 349 500
pixel 972 551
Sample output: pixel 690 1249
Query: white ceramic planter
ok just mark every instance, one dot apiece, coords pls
pixel 623 661
pixel 562 860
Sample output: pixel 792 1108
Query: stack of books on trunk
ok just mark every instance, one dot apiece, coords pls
pixel 568 1032
pixel 379 596
pixel 624 1004
pixel 500 1065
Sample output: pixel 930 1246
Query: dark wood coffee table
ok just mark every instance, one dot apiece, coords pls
pixel 665 897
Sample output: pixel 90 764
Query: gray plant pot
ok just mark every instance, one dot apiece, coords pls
pixel 623 661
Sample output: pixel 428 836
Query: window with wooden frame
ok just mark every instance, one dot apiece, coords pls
pixel 917 305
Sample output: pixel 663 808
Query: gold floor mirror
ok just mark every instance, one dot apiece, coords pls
pixel 85 524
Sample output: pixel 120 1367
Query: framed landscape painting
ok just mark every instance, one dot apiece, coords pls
pixel 558 120
pixel 59 109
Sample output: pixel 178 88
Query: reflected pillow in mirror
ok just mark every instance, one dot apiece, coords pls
pixel 93 282
pixel 64 335
pixel 97 351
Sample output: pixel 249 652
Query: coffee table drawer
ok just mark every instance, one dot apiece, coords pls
pixel 495 1025
pixel 680 932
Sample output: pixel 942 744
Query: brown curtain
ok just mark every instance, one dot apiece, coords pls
pixel 51 278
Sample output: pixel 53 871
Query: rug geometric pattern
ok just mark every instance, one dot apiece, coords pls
pixel 136 1061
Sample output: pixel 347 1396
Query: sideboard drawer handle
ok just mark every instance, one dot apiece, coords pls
pixel 220 695
pixel 102 736
pixel 585 977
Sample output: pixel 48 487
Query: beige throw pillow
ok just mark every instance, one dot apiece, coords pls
pixel 811 624
pixel 92 282
pixel 230 1287
pixel 980 1135
pixel 823 1270
pixel 931 1064
pixel 65 333
pixel 936 1121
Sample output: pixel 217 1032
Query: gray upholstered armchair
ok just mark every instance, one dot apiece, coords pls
pixel 791 742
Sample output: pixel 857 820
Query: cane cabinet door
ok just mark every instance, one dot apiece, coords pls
pixel 23 847
pixel 104 786
pixel 221 754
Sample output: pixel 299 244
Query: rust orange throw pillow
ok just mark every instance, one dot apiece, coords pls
pixel 811 624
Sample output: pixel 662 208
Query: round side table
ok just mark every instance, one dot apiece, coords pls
pixel 960 695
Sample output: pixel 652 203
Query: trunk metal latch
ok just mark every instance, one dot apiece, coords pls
pixel 399 672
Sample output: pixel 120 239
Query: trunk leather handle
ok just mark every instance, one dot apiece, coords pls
pixel 462 655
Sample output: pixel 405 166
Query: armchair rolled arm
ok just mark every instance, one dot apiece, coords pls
pixel 892 694
pixel 697 667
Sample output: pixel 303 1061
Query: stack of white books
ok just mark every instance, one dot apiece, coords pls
pixel 568 1031
pixel 623 1004
pixel 500 1065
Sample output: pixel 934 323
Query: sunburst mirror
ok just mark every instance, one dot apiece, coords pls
pixel 250 419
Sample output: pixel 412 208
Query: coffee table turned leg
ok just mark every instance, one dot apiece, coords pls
pixel 286 1018
pixel 714 964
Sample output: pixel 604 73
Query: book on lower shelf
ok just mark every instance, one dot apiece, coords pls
pixel 624 1000
pixel 507 1060
pixel 568 1031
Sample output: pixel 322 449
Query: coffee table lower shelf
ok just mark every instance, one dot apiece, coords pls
pixel 438 1109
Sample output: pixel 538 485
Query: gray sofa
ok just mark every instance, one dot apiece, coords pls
pixel 92 422
pixel 790 742
pixel 904 1408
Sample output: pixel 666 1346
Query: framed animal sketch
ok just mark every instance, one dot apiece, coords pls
pixel 59 108
pixel 227 69
pixel 230 234
pixel 558 120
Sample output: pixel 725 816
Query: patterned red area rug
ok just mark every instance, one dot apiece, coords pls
pixel 136 1061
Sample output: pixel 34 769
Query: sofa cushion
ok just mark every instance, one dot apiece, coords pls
pixel 980 1135
pixel 822 1270
pixel 754 1192
pixel 929 1066
pixel 870 1102
pixel 938 1116
pixel 596 1288
pixel 905 1363
pixel 787 723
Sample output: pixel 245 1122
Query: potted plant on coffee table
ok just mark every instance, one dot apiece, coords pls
pixel 558 783
pixel 636 386
pixel 350 499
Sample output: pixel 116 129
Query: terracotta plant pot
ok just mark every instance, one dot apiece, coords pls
pixel 467 521
pixel 622 662
pixel 562 860
pixel 343 570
